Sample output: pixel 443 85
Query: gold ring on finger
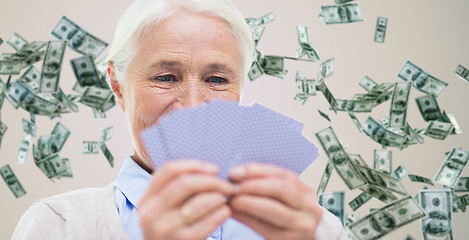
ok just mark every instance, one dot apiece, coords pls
pixel 186 214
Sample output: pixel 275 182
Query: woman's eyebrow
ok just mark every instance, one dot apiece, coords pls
pixel 220 68
pixel 165 64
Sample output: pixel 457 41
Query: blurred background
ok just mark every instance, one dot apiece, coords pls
pixel 432 34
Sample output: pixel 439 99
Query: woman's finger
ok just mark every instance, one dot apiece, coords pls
pixel 201 205
pixel 277 188
pixel 264 209
pixel 187 185
pixel 207 224
pixel 174 168
pixel 257 170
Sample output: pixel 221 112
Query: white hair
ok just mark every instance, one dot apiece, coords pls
pixel 141 15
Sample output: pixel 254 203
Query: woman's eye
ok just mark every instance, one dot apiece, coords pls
pixel 165 78
pixel 217 80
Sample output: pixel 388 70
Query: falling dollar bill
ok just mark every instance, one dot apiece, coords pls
pixel 359 200
pixel 339 158
pixel 387 219
pixel 355 121
pixel 400 97
pixel 109 103
pixel 19 94
pixel 17 41
pixel 349 219
pixel 85 71
pixel 303 40
pixel 381 180
pixel 326 69
pixel 60 134
pixel 77 38
pixel 354 105
pixel 31 78
pixel 33 58
pixel 106 134
pixel 27 51
pixel 400 172
pixel 342 1
pixel 29 127
pixel 452 168
pixel 429 109
pixel 380 32
pixel 383 160
pixel 3 129
pixel 438 130
pixel 41 106
pixel 24 149
pixel 449 118
pixel 378 91
pixel 328 95
pixel 334 203
pixel 357 159
pixel 255 71
pixel 98 113
pixel 90 147
pixel 421 80
pixel 107 153
pixel 51 67
pixel 273 65
pixel 305 87
pixel 412 133
pixel 324 115
pixel 257 34
pixel 462 185
pixel 95 97
pixel 46 145
pixel 437 204
pixel 367 83
pixel 347 13
pixel 53 166
pixel 381 135
pixel 256 22
pixel 382 98
pixel 10 67
pixel 415 178
pixel 461 202
pixel 325 177
pixel 62 98
pixel 379 94
pixel 10 179
pixel 101 65
pixel 462 72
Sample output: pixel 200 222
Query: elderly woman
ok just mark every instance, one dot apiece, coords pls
pixel 168 55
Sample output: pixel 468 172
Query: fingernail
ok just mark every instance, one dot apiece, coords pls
pixel 238 172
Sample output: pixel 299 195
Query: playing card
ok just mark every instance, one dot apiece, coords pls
pixel 227 134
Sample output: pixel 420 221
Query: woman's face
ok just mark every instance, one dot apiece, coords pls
pixel 182 61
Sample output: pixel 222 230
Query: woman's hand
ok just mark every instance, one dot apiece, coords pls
pixel 274 202
pixel 185 200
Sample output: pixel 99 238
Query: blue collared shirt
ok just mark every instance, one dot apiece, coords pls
pixel 131 184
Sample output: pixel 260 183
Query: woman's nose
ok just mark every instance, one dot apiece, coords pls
pixel 191 95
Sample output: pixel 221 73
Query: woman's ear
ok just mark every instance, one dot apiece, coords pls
pixel 117 87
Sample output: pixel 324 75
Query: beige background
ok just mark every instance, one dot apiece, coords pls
pixel 432 34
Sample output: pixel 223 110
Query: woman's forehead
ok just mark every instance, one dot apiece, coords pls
pixel 184 35
pixel 191 28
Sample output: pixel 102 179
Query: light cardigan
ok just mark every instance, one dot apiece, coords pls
pixel 91 213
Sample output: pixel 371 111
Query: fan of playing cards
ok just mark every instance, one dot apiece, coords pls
pixel 227 134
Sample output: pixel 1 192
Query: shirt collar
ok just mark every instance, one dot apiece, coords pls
pixel 132 181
